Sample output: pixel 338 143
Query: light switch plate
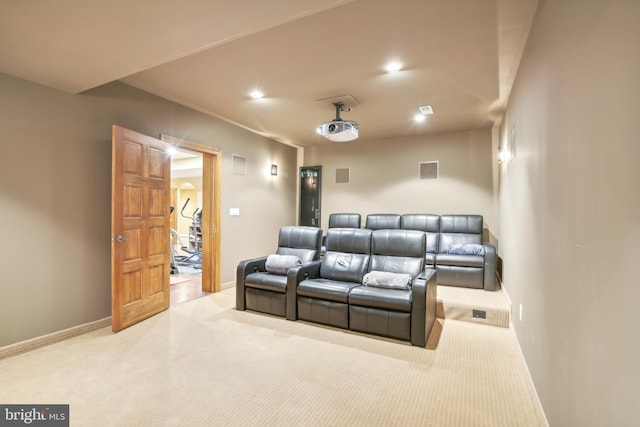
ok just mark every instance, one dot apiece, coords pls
pixel 234 211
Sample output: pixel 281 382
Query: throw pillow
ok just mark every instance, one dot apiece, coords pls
pixel 280 264
pixel 384 279
pixel 467 249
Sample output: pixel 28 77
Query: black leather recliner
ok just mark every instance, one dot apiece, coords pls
pixel 344 220
pixel 382 221
pixel 459 268
pixel 259 290
pixel 334 294
pixel 324 296
pixel 428 223
pixel 406 314
pixel 341 220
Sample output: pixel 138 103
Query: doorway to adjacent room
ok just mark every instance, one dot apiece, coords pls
pixel 141 253
pixel 186 226
pixel 195 184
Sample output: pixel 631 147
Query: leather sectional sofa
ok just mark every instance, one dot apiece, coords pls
pixel 342 289
pixel 455 247
pixel 397 299
pixel 334 294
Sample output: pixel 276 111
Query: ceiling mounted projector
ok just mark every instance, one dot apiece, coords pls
pixel 339 130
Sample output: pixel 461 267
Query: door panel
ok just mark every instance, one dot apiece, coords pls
pixel 139 227
pixel 310 194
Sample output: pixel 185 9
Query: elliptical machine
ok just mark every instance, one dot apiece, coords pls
pixel 173 234
pixel 194 249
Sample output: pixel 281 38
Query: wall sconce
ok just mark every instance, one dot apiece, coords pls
pixel 274 170
pixel 503 157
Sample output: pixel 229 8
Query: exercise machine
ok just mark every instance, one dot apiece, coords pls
pixel 193 258
pixel 173 234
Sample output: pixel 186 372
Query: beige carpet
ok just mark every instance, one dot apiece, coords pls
pixel 202 363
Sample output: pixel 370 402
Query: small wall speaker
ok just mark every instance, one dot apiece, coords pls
pixel 343 175
pixel 429 170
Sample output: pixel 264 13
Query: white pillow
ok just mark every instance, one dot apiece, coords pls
pixel 383 279
pixel 467 249
pixel 280 264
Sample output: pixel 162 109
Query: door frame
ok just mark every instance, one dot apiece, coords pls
pixel 211 202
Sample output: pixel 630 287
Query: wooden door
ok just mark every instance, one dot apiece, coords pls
pixel 140 257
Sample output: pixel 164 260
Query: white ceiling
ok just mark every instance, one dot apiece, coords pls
pixel 460 56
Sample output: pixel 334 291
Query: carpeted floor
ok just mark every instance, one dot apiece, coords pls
pixel 202 363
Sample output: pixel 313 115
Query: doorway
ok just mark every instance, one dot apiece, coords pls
pixel 310 195
pixel 140 223
pixel 200 165
pixel 186 226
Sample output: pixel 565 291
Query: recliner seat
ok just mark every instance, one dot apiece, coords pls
pixel 382 221
pixel 323 297
pixel 428 223
pixel 260 290
pixel 341 220
pixel 466 270
pixel 406 314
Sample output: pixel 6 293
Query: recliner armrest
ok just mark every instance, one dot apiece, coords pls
pixel 295 275
pixel 423 306
pixel 490 262
pixel 245 268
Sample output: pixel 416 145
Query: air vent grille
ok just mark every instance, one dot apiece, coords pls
pixel 426 110
pixel 343 175
pixel 239 162
pixel 429 170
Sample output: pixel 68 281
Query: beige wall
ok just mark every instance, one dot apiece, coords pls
pixel 384 176
pixel 570 211
pixel 55 179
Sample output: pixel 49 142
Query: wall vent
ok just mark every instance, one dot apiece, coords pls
pixel 429 170
pixel 479 314
pixel 343 175
pixel 239 163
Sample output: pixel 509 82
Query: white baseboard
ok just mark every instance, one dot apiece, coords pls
pixel 513 331
pixel 227 285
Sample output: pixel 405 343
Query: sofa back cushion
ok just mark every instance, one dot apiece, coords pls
pixel 428 223
pixel 344 220
pixel 382 221
pixel 398 251
pixel 348 254
pixel 303 242
pixel 459 230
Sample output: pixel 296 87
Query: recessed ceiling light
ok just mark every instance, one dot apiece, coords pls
pixel 419 118
pixel 256 94
pixel 171 150
pixel 393 67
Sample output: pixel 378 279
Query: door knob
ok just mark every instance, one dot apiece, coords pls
pixel 121 238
